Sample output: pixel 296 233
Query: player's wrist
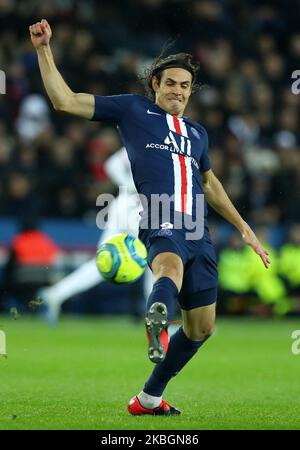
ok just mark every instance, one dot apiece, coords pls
pixel 243 227
pixel 42 48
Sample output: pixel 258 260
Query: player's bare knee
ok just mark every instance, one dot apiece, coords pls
pixel 167 268
pixel 209 331
pixel 172 272
pixel 199 334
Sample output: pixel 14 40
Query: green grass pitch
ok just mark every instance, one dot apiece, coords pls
pixel 80 374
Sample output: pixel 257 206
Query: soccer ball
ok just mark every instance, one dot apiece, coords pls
pixel 121 259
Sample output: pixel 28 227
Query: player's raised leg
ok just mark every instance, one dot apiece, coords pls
pixel 167 268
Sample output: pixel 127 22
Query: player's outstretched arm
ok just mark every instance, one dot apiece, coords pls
pixel 61 96
pixel 217 198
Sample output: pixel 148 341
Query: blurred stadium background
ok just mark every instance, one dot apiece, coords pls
pixel 51 165
pixel 51 168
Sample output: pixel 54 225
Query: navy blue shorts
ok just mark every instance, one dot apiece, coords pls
pixel 200 278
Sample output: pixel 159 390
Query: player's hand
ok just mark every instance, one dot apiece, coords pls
pixel 40 33
pixel 250 239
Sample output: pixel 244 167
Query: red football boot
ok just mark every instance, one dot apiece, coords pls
pixel 164 409
pixel 157 332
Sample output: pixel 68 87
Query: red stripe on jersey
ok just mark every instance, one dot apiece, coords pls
pixel 177 125
pixel 183 171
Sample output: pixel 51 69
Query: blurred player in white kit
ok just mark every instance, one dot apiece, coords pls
pixel 122 217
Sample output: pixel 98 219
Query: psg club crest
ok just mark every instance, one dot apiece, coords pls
pixel 166 229
pixel 164 232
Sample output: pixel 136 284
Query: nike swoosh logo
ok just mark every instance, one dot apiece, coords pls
pixel 151 112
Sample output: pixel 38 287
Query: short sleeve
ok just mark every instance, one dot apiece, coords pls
pixel 204 160
pixel 112 108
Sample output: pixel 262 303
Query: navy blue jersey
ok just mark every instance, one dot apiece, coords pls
pixel 167 153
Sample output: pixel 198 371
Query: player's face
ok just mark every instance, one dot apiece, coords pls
pixel 173 91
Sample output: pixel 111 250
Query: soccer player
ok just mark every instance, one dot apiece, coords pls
pixel 168 155
pixel 122 217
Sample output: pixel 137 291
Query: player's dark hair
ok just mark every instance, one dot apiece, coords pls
pixel 181 60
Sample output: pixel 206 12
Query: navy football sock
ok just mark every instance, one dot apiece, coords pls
pixel 180 351
pixel 164 291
